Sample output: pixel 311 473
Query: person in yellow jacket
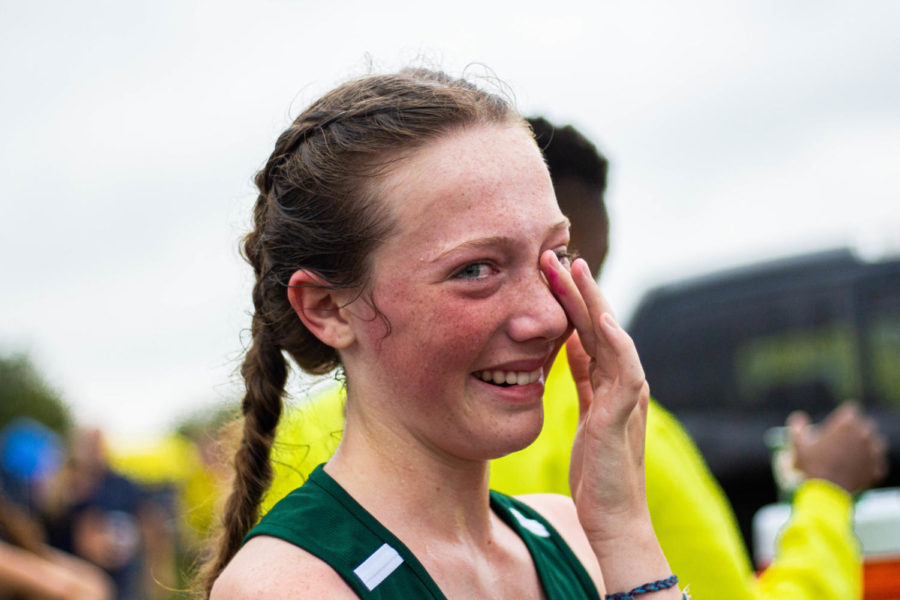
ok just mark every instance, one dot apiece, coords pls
pixel 817 556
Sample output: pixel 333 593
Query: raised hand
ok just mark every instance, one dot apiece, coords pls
pixel 607 468
pixel 845 448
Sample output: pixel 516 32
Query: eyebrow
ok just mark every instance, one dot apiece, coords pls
pixel 495 240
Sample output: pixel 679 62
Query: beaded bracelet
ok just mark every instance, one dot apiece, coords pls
pixel 653 586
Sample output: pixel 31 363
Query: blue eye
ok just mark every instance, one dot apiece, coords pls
pixel 566 258
pixel 473 271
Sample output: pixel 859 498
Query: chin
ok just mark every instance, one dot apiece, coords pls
pixel 503 443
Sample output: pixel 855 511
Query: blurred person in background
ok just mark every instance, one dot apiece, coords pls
pixel 817 556
pixel 176 478
pixel 32 570
pixel 30 456
pixel 187 470
pixel 106 518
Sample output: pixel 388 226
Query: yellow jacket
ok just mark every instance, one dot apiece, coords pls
pixel 816 557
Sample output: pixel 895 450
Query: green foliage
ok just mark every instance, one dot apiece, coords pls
pixel 25 392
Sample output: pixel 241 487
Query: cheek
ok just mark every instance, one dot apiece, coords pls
pixel 433 334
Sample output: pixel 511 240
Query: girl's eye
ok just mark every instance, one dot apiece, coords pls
pixel 566 258
pixel 474 271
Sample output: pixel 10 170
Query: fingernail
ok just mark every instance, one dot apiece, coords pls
pixel 581 260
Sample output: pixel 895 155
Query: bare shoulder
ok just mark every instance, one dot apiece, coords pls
pixel 267 567
pixel 560 511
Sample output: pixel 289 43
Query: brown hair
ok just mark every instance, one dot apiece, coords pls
pixel 317 209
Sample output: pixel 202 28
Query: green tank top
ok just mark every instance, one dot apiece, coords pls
pixel 323 519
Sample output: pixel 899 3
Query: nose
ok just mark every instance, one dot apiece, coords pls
pixel 535 314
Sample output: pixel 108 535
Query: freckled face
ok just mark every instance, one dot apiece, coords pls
pixel 473 326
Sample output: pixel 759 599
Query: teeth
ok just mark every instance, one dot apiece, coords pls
pixel 510 377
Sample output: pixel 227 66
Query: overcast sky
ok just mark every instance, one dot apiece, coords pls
pixel 130 132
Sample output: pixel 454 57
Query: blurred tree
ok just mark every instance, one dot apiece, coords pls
pixel 25 392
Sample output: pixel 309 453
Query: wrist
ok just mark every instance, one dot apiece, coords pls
pixel 825 498
pixel 620 533
pixel 616 526
pixel 631 559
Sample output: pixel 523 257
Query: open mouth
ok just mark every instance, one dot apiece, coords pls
pixel 508 378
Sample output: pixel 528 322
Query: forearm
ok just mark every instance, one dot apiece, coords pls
pixel 28 573
pixel 48 577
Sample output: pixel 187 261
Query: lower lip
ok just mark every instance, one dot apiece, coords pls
pixel 517 394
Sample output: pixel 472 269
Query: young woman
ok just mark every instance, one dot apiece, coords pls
pixel 406 231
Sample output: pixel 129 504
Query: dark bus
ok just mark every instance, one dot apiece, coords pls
pixel 731 354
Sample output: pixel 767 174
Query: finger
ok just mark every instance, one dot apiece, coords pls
pixel 593 298
pixel 797 422
pixel 579 365
pixel 630 370
pixel 567 294
pixel 606 355
pixel 847 412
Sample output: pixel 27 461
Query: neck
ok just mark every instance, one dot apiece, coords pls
pixel 415 490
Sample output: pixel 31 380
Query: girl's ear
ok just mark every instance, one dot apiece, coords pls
pixel 322 309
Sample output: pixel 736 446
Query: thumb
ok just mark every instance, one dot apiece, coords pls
pixel 797 424
pixel 580 367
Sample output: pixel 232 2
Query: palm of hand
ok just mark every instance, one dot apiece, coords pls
pixel 607 467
